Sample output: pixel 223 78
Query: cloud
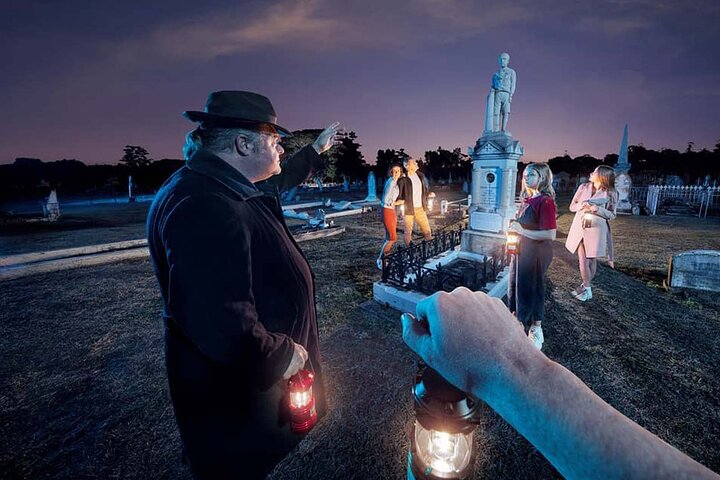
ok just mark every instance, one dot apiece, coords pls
pixel 473 15
pixel 289 25
pixel 317 26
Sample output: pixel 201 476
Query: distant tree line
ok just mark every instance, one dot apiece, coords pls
pixel 440 164
pixel 32 178
pixel 689 165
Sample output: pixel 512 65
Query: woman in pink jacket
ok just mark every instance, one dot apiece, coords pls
pixel 594 205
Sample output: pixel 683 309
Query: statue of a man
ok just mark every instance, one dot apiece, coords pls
pixel 503 88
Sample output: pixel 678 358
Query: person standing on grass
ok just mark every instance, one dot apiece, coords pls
pixel 536 226
pixel 389 218
pixel 238 293
pixel 594 205
pixel 414 192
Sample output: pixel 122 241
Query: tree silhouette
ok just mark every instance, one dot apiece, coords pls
pixel 385 158
pixel 135 157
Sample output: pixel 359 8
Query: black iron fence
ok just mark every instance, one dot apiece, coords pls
pixel 406 267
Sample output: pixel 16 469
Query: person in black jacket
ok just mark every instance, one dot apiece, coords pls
pixel 238 293
pixel 414 193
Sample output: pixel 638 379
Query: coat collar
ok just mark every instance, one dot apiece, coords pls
pixel 209 164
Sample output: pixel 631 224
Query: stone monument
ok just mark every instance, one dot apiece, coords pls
pixel 494 157
pixel 52 207
pixel 623 182
pixel 500 97
pixel 372 189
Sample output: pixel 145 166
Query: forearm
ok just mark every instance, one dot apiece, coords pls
pixel 580 434
pixel 297 169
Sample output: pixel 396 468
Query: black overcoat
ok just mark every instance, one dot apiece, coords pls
pixel 406 192
pixel 236 290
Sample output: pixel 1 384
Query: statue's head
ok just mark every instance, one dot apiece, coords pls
pixel 504 59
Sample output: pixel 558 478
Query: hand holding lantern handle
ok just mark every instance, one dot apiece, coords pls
pixel 475 343
pixel 299 358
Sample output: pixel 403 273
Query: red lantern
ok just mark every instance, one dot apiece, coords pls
pixel 513 243
pixel 303 416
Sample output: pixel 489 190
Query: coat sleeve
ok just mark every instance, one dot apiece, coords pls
pixel 402 188
pixel 578 198
pixel 296 169
pixel 607 213
pixel 210 288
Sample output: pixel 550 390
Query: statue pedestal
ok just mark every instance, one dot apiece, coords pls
pixel 495 157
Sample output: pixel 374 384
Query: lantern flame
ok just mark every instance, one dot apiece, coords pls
pixel 443 452
pixel 301 399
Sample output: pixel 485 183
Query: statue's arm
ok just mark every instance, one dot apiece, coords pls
pixel 513 78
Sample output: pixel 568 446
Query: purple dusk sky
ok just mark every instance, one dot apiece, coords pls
pixel 82 79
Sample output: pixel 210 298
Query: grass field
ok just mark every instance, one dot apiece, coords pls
pixel 83 391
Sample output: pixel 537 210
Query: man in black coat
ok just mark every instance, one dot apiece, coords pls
pixel 414 191
pixel 238 293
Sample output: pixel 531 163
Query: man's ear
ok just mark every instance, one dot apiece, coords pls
pixel 243 145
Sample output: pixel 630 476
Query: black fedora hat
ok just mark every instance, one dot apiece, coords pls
pixel 232 108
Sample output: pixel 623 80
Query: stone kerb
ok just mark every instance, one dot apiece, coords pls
pixel 697 269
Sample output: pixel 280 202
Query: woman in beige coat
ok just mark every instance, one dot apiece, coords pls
pixel 594 205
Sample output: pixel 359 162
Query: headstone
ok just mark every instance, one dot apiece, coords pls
pixel 707 180
pixel 52 207
pixel 318 221
pixel 290 194
pixel 674 181
pixel 372 189
pixel 698 269
pixel 623 182
pixel 346 184
pixel 131 194
pixel 289 213
pixel 465 187
pixel 319 184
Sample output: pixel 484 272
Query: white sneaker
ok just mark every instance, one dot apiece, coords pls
pixel 586 295
pixel 536 337
pixel 577 291
pixel 379 263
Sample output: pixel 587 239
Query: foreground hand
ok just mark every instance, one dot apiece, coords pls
pixel 299 358
pixel 469 338
pixel 326 139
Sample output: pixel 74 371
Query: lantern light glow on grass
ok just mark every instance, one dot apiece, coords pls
pixel 303 415
pixel 441 440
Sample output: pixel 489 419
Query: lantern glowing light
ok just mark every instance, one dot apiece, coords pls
pixel 587 220
pixel 512 244
pixel 442 436
pixel 303 415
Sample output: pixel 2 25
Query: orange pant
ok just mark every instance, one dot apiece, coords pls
pixel 421 218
